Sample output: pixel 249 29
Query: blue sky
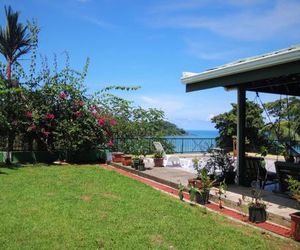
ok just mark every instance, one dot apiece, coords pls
pixel 150 43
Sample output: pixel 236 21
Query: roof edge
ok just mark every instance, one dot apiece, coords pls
pixel 264 61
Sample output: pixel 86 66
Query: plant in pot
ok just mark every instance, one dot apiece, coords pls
pixel 137 159
pixel 196 182
pixel 201 195
pixel 256 207
pixel 181 189
pixel 294 186
pixel 221 161
pixel 221 192
pixel 158 159
pixel 286 153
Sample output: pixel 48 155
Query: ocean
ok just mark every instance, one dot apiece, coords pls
pixel 194 141
pixel 203 133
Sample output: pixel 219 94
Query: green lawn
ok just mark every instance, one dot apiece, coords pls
pixel 86 207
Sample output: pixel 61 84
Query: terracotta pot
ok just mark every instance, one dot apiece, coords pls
pixel 195 183
pixel 295 226
pixel 117 157
pixel 158 162
pixel 127 161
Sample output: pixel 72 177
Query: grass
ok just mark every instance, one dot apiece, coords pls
pixel 86 207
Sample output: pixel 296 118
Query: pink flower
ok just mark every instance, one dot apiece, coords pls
pixel 78 114
pixel 63 95
pixel 110 143
pixel 50 116
pixel 29 114
pixel 81 103
pixel 113 122
pixel 46 133
pixel 31 127
pixel 101 121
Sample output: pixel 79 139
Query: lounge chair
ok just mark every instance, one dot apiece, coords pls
pixel 169 160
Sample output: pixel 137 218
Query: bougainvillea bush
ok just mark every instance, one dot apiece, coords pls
pixel 62 116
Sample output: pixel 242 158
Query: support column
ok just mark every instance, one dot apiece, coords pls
pixel 241 122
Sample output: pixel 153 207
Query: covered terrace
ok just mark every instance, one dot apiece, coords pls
pixel 277 73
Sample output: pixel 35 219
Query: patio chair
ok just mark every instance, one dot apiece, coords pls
pixel 169 160
pixel 256 171
pixel 284 170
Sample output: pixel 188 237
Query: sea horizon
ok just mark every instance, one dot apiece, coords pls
pixel 204 133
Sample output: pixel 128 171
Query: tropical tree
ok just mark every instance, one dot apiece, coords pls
pixel 15 39
pixel 226 123
pixel 284 124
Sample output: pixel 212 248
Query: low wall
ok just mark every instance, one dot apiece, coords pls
pixel 91 156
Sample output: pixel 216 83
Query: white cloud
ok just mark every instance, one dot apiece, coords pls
pixel 211 51
pixel 180 5
pixel 98 22
pixel 168 104
pixel 183 110
pixel 280 19
pixel 210 117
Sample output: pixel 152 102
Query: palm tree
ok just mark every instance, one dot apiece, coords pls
pixel 15 40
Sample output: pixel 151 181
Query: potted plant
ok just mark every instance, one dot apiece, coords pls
pixel 158 159
pixel 294 186
pixel 117 157
pixel 201 195
pixel 221 192
pixel 286 153
pixel 256 207
pixel 139 153
pixel 181 189
pixel 127 160
pixel 196 182
pixel 138 163
pixel 221 161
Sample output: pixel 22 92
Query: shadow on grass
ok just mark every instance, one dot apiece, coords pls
pixel 13 166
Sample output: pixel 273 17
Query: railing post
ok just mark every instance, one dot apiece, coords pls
pixel 182 145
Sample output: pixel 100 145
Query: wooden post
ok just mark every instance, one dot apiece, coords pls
pixel 241 118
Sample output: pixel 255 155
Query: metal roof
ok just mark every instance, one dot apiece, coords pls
pixel 261 70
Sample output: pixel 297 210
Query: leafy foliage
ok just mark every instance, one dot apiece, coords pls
pixel 226 123
pixel 285 120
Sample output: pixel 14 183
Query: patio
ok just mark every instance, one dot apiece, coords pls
pixel 278 206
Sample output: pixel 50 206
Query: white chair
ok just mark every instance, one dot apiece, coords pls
pixel 169 160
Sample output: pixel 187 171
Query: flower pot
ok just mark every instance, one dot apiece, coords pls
pixel 117 157
pixel 127 161
pixel 202 197
pixel 195 183
pixel 257 214
pixel 158 162
pixel 138 164
pixel 295 226
pixel 289 158
pixel 141 166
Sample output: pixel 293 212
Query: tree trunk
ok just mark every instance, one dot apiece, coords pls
pixel 9 148
pixel 8 70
